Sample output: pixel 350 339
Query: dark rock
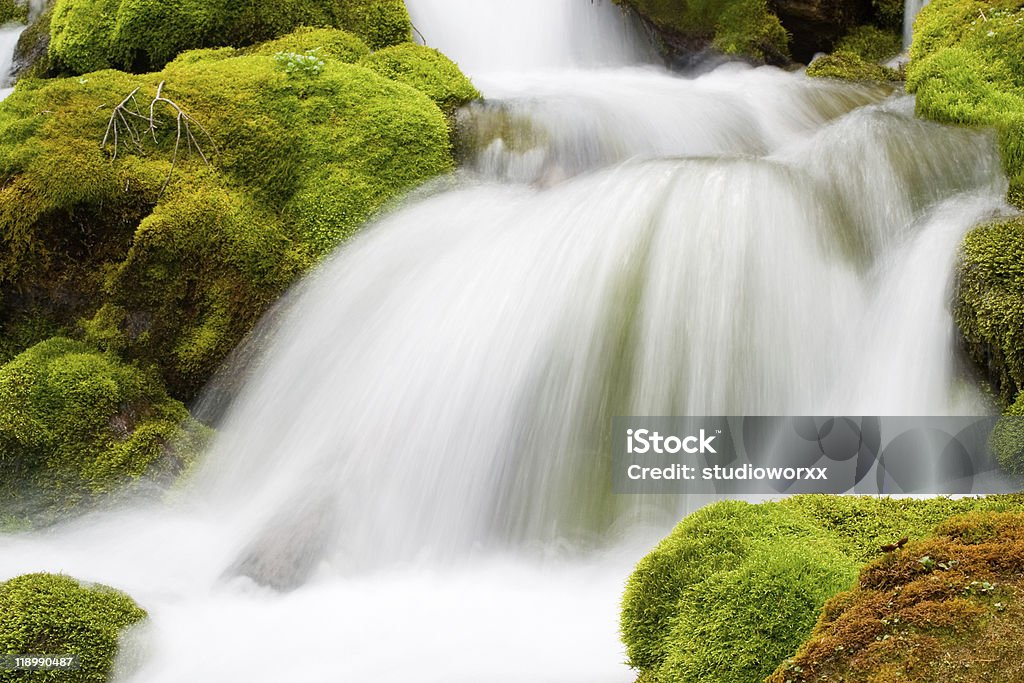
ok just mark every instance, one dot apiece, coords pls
pixel 31 55
pixel 815 25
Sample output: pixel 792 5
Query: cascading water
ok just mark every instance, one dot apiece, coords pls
pixel 911 8
pixel 419 453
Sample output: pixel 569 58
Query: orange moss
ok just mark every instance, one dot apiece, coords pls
pixel 945 609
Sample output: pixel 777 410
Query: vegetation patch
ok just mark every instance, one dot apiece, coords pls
pixel 946 608
pixel 735 587
pixel 142 35
pixel 427 70
pixel 849 66
pixel 989 307
pixel 871 43
pixel 745 28
pixel 76 423
pixel 167 249
pixel 13 11
pixel 52 614
pixel 967 67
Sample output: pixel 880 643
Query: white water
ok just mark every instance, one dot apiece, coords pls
pixel 420 448
pixel 911 8
pixel 9 35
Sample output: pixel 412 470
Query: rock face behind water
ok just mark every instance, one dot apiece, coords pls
pixel 813 26
pixel 30 55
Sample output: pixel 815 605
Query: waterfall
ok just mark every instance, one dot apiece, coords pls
pixel 420 454
pixel 911 8
pixel 9 35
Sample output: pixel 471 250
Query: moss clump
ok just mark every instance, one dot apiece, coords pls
pixel 325 43
pixel 172 268
pixel 1007 439
pixel 379 22
pixel 849 66
pixel 141 35
pixel 944 609
pixel 745 28
pixel 871 43
pixel 735 587
pixel 427 70
pixel 684 614
pixel 967 67
pixel 989 307
pixel 75 423
pixel 888 15
pixel 13 10
pixel 50 614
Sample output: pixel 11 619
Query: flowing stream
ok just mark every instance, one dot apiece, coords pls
pixel 417 461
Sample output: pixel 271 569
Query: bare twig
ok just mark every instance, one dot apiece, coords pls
pixel 123 124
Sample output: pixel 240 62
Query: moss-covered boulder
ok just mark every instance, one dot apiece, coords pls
pixel 322 43
pixel 694 609
pixel 871 43
pixel 849 66
pixel 52 614
pixel 76 423
pixel 427 70
pixel 948 608
pixel 169 250
pixel 967 67
pixel 989 307
pixel 13 10
pixel 744 28
pixel 141 35
pixel 733 590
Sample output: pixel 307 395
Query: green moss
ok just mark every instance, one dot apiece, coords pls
pixel 379 22
pixel 720 545
pixel 888 14
pixel 327 43
pixel 848 66
pixel 744 28
pixel 871 43
pixel 13 10
pixel 427 70
pixel 141 35
pixel 989 307
pixel 173 276
pixel 967 67
pixel 735 587
pixel 944 609
pixel 781 586
pixel 50 614
pixel 75 423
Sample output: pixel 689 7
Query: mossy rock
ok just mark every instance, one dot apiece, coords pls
pixel 31 54
pixel 967 67
pixel 989 306
pixel 735 587
pixel 53 614
pixel 76 424
pixel 743 28
pixel 13 11
pixel 848 66
pixel 427 70
pixel 170 264
pixel 871 43
pixel 888 15
pixel 325 43
pixel 947 608
pixel 142 35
